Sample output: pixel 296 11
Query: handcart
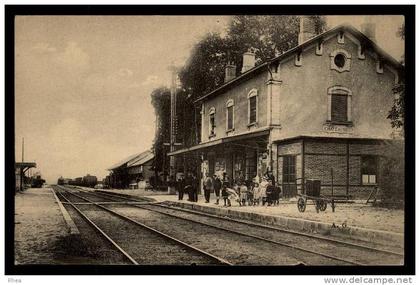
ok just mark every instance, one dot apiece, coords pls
pixel 312 192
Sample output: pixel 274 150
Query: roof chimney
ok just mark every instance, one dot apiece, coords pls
pixel 369 28
pixel 306 29
pixel 230 71
pixel 248 61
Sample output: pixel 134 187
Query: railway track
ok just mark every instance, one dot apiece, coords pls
pixel 341 253
pixel 175 252
pixel 361 245
pixel 238 250
pixel 357 254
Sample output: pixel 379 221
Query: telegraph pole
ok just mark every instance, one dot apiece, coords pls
pixel 173 119
pixel 21 169
pixel 23 148
pixel 174 123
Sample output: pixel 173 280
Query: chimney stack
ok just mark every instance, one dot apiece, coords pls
pixel 230 71
pixel 248 61
pixel 369 28
pixel 306 29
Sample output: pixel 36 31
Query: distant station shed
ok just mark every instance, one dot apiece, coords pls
pixel 20 170
pixel 132 170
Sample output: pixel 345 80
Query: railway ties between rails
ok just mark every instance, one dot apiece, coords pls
pixel 154 245
pixel 302 247
pixel 360 245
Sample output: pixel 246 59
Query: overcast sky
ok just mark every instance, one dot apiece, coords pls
pixel 83 84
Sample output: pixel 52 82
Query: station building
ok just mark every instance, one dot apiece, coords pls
pixel 132 170
pixel 317 111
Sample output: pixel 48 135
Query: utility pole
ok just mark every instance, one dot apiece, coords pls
pixel 174 121
pixel 21 169
pixel 23 148
pixel 173 125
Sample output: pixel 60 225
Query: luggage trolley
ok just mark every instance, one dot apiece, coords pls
pixel 312 192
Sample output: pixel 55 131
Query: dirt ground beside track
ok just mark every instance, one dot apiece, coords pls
pixel 40 230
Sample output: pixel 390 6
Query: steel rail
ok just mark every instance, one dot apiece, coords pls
pixel 269 227
pixel 255 237
pixel 219 259
pixel 285 231
pixel 110 203
pixel 121 250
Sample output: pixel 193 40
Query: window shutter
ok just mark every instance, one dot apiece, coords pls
pixel 212 124
pixel 338 108
pixel 253 109
pixel 230 117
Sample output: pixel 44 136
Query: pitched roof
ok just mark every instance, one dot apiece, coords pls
pixel 141 159
pixel 130 159
pixel 345 27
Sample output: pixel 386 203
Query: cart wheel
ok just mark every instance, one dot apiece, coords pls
pixel 301 204
pixel 322 205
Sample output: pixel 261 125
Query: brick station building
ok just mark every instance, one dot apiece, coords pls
pixel 318 111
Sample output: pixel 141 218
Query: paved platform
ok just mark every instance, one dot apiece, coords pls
pixel 357 221
pixel 40 228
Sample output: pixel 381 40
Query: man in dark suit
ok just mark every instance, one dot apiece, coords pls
pixel 270 177
pixel 194 190
pixel 217 186
pixel 188 188
pixel 180 184
pixel 208 187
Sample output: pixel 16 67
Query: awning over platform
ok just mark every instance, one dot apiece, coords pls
pixel 25 164
pixel 230 139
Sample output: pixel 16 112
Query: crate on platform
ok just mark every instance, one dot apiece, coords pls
pixel 313 187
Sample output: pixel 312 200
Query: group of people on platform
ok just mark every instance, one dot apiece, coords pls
pixel 252 193
pixel 188 185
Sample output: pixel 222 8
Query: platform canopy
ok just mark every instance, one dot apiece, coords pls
pixel 223 141
pixel 24 166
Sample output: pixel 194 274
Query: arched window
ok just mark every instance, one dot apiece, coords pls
pixel 212 122
pixel 230 115
pixel 253 106
pixel 339 105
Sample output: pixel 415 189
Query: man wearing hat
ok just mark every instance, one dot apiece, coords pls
pixel 217 186
pixel 208 187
